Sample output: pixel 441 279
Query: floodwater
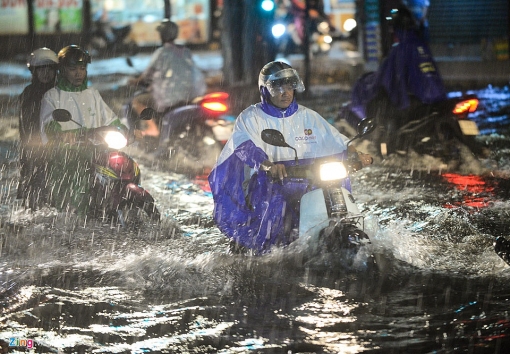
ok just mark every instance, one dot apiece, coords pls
pixel 71 285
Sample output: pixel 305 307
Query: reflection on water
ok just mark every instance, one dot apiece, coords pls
pixel 477 193
pixel 184 294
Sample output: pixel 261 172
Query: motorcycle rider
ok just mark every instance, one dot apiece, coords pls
pixel 172 76
pixel 249 208
pixel 408 77
pixel 69 162
pixel 42 63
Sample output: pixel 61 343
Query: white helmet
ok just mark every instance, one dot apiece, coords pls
pixel 277 74
pixel 42 57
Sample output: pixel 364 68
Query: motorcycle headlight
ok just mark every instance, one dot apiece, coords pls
pixel 115 140
pixel 278 30
pixel 331 171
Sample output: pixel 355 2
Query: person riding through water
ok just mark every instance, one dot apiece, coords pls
pixel 172 76
pixel 249 208
pixel 69 162
pixel 406 79
pixel 42 64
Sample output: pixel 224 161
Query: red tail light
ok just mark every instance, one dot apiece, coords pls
pixel 215 102
pixel 467 106
pixel 222 96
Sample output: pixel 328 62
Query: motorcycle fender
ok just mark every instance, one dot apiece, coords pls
pixel 352 207
pixel 313 212
pixel 137 195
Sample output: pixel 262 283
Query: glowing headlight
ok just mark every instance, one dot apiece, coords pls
pixel 332 171
pixel 278 30
pixel 115 140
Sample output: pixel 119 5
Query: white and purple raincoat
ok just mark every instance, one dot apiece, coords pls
pixel 249 207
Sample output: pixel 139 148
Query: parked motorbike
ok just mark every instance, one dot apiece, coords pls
pixel 328 212
pixel 191 135
pixel 106 39
pixel 436 129
pixel 115 192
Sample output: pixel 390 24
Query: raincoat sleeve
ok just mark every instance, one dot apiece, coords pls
pixel 239 155
pixel 233 215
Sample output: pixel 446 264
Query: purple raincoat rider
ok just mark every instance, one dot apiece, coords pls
pixel 409 72
pixel 249 207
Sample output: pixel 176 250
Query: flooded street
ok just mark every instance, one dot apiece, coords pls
pixel 72 285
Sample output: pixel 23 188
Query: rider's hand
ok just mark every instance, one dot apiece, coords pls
pixel 365 159
pixel 138 134
pixel 276 170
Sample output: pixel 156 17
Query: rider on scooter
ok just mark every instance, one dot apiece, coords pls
pixel 68 162
pixel 249 207
pixel 406 78
pixel 71 92
pixel 43 63
pixel 172 76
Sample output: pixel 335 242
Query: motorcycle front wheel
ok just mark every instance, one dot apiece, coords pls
pixel 133 216
pixel 349 246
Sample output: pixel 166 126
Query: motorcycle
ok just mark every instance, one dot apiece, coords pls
pixel 105 39
pixel 437 129
pixel 328 211
pixel 191 135
pixel 115 191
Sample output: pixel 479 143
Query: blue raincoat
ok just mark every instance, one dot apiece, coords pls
pixel 249 207
pixel 409 69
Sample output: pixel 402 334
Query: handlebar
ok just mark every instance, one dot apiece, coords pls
pixel 311 171
pixel 98 136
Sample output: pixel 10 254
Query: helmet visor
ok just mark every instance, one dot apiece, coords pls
pixel 284 80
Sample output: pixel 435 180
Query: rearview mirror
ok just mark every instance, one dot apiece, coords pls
pixel 273 137
pixel 61 115
pixel 365 127
pixel 276 138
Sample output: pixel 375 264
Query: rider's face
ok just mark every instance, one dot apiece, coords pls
pixel 75 74
pixel 45 74
pixel 284 97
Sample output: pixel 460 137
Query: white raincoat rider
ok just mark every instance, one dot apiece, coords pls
pixel 248 207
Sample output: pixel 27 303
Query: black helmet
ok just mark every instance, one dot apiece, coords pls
pixel 402 19
pixel 276 74
pixel 168 30
pixel 73 55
